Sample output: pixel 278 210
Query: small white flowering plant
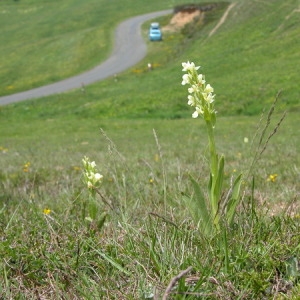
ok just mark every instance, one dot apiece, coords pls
pixel 219 208
pixel 93 179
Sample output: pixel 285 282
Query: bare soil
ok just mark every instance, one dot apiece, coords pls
pixel 180 19
pixel 190 14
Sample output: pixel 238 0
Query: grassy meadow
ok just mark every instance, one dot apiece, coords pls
pixel 138 129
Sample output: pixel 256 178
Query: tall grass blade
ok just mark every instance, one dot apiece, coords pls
pixel 111 261
pixel 219 181
pixel 253 209
pixel 234 200
pixel 226 252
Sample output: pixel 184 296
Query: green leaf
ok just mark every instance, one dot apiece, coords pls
pixel 199 209
pixel 93 208
pixel 292 269
pixel 210 182
pixel 101 220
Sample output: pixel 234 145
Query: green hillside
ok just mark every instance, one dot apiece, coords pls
pixel 250 58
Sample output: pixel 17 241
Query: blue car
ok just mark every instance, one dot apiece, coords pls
pixel 155 32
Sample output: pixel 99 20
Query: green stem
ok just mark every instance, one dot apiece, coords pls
pixel 212 149
pixel 213 166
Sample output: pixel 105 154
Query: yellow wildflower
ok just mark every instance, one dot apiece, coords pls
pixel 46 211
pixel 3 149
pixel 26 167
pixel 272 177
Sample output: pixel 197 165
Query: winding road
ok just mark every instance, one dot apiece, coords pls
pixel 129 49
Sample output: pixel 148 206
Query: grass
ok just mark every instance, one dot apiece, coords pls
pixel 148 237
pixel 140 247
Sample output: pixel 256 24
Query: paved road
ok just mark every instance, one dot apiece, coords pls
pixel 129 49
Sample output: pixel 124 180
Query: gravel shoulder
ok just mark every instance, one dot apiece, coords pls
pixel 129 49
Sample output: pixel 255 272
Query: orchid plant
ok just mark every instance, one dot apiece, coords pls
pixel 93 179
pixel 91 176
pixel 209 214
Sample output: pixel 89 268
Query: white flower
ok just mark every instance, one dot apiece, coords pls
pixel 85 161
pixel 185 79
pixel 209 89
pixel 192 100
pixel 189 66
pixel 93 164
pixel 210 98
pixel 193 89
pixel 89 184
pixel 197 112
pixel 201 79
pixel 98 177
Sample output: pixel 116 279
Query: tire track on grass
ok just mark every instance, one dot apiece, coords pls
pixel 223 19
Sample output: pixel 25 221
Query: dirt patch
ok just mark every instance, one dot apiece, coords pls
pixel 180 19
pixel 193 13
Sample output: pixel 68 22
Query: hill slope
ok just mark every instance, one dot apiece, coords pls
pixel 249 58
